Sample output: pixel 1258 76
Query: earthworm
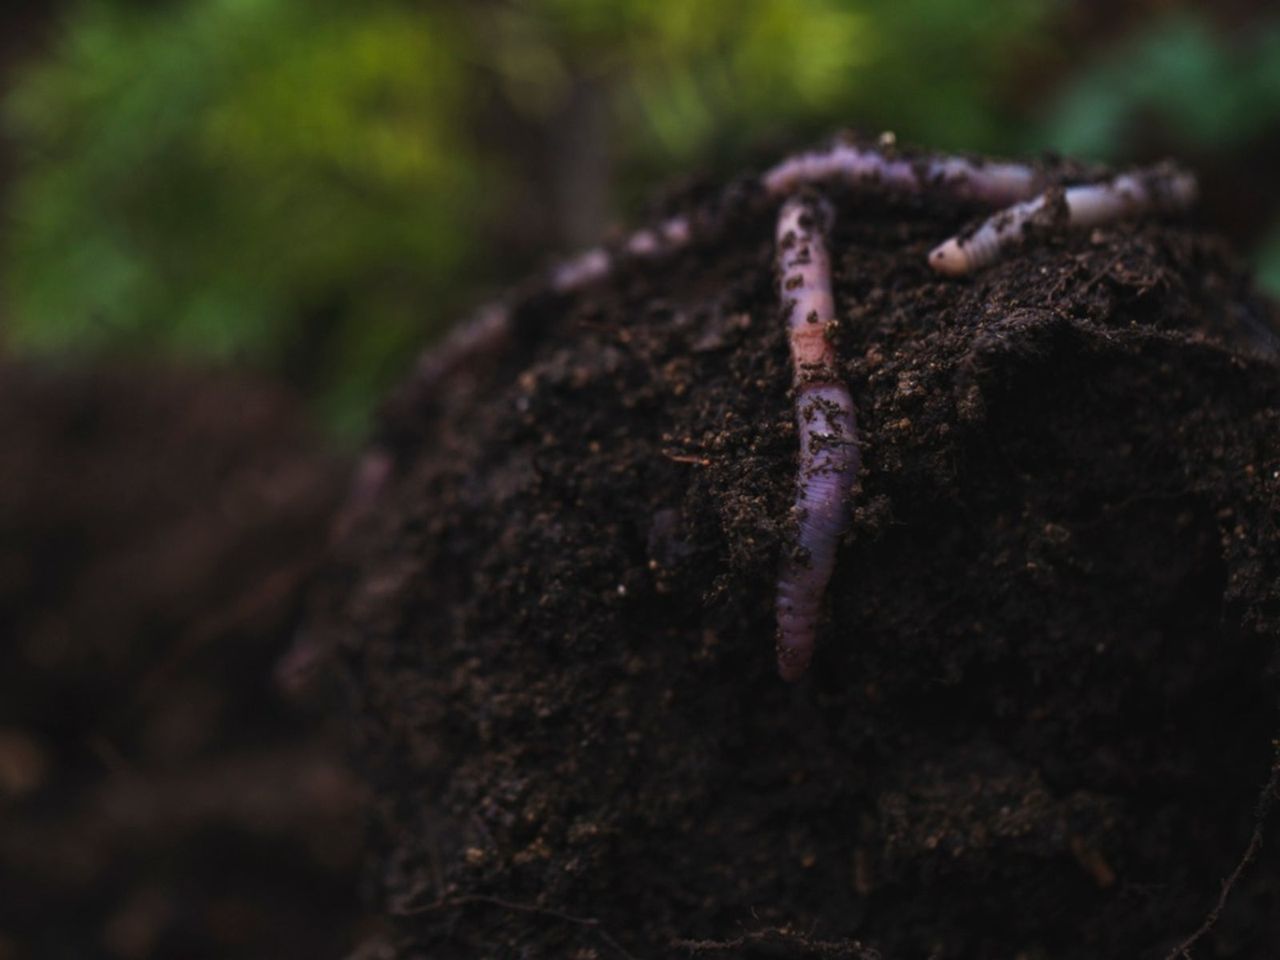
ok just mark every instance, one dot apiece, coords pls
pixel 594 264
pixel 485 331
pixel 585 268
pixel 993 183
pixel 825 421
pixel 666 237
pixel 1162 188
pixel 988 182
pixel 373 474
pixel 489 326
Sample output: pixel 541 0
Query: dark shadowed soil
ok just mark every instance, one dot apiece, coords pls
pixel 1041 713
pixel 159 796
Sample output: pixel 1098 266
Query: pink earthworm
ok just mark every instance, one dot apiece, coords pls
pixel 666 237
pixel 485 331
pixel 596 263
pixel 1163 188
pixel 989 182
pixel 829 458
pixel 579 271
pixel 489 326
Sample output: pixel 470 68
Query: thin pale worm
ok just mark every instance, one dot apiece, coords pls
pixel 829 460
pixel 579 271
pixel 371 479
pixel 596 263
pixel 1160 188
pixel 666 237
pixel 485 330
pixel 987 182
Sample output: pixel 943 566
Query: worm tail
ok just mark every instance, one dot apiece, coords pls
pixel 829 460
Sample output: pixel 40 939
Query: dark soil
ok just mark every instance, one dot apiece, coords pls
pixel 159 795
pixel 1042 707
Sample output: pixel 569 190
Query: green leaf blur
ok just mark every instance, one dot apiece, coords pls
pixel 318 188
pixel 1200 89
pixel 263 179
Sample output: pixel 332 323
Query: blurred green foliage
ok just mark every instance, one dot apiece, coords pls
pixel 1196 88
pixel 1201 87
pixel 316 187
pixel 305 183
pixel 686 79
pixel 260 178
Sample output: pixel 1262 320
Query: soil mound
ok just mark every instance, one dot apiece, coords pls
pixel 1043 701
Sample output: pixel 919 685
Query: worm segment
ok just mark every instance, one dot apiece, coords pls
pixel 1162 189
pixel 827 429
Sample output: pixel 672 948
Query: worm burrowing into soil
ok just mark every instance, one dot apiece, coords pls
pixel 825 423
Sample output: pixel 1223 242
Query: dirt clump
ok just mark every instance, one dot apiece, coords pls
pixel 1044 697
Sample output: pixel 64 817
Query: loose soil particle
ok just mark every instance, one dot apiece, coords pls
pixel 1044 696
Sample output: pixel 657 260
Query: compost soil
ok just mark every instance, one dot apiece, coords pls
pixel 160 794
pixel 1040 719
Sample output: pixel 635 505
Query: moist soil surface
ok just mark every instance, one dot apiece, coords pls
pixel 1039 721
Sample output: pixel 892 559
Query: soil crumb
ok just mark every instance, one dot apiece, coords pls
pixel 1045 692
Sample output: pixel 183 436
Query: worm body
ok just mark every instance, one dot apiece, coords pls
pixel 596 263
pixel 994 183
pixel 577 272
pixel 842 161
pixel 828 461
pixel 490 325
pixel 666 237
pixel 1159 189
pixel 987 182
